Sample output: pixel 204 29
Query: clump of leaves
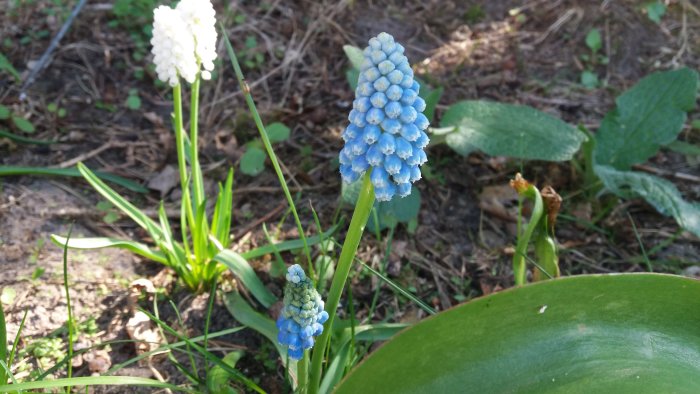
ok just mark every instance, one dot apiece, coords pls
pixel 19 122
pixel 655 11
pixel 594 42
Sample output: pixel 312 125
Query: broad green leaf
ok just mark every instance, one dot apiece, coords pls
pixel 253 161
pixel 352 75
pixel 99 243
pixel 355 55
pixel 23 124
pixel 660 193
pixel 509 130
pixel 5 65
pixel 244 272
pixel 4 112
pixel 218 379
pixel 277 132
pixel 589 79
pixel 133 102
pixel 634 333
pixel 72 172
pixel 593 40
pixel 647 116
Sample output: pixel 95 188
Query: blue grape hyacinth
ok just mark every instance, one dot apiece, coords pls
pixel 302 316
pixel 387 127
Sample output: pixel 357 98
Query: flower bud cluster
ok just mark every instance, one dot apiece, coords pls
pixel 184 41
pixel 302 316
pixel 387 127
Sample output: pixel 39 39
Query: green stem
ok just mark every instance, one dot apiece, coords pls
pixel 519 271
pixel 266 141
pixel 71 323
pixel 303 372
pixel 197 182
pixel 363 208
pixel 180 146
pixel 3 347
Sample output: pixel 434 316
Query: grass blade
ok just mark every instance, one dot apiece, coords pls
pixel 71 323
pixel 24 140
pixel 134 213
pixel 71 172
pixel 3 345
pixel 91 381
pixel 100 242
pixel 401 290
pixel 243 271
pixel 289 245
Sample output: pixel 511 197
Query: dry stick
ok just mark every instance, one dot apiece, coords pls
pixel 47 54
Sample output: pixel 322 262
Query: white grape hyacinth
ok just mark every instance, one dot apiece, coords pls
pixel 201 23
pixel 184 41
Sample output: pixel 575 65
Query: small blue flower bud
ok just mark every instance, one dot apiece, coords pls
pixel 345 156
pixel 422 141
pixel 419 104
pixel 371 134
pixel 381 84
pixel 400 49
pixel 374 156
pixel 410 132
pixel 364 89
pixel 366 64
pixel 392 126
pixel 421 121
pixel 404 175
pixel 395 77
pixel 407 82
pixel 415 174
pixel 408 114
pixel 348 175
pixel 408 96
pixel 404 189
pixel 378 100
pixel 374 116
pixel 398 58
pixel 394 93
pixel 359 164
pixel 371 74
pixel 406 69
pixel 296 353
pixel 385 193
pixel 351 132
pixel 362 104
pixel 404 150
pixel 379 177
pixel 374 43
pixel 392 164
pixel 393 109
pixel 416 86
pixel 387 143
pixel 378 56
pixel 386 67
pixel 358 146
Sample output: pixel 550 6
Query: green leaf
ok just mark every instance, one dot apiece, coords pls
pixel 284 246
pixel 5 65
pixel 23 124
pixel 684 148
pixel 91 381
pixel 635 333
pixel 593 40
pixel 660 193
pixel 4 112
pixel 655 10
pixel 3 345
pixel 352 75
pixel 218 379
pixel 133 102
pixel 389 213
pixel 71 172
pixel 277 132
pixel 431 100
pixel 243 271
pixel 509 130
pixel 253 161
pixel 99 243
pixel 589 79
pixel 355 55
pixel 649 115
pixel 24 140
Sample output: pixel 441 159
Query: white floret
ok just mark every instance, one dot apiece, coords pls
pixel 173 47
pixel 200 19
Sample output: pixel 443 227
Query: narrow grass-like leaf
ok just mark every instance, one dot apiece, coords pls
pixel 355 55
pixel 285 246
pixel 24 140
pixel 99 243
pixel 398 288
pixel 3 344
pixel 244 272
pixel 15 343
pixel 92 381
pixel 71 322
pixel 71 172
pixel 6 65
pixel 120 202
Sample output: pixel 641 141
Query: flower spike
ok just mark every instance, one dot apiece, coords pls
pixel 387 127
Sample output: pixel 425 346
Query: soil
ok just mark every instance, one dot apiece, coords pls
pixel 462 246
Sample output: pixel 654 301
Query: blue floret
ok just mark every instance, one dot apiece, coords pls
pixel 387 127
pixel 302 316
